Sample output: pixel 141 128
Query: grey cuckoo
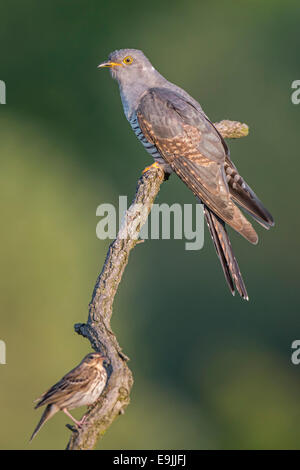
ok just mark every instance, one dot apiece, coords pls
pixel 174 129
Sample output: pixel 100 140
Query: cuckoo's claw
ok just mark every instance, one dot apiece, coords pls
pixel 154 165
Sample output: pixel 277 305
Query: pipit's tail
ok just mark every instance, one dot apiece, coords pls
pixel 226 256
pixel 49 411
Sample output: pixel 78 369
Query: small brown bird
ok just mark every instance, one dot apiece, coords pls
pixel 82 386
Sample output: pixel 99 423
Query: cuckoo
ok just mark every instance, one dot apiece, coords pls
pixel 175 130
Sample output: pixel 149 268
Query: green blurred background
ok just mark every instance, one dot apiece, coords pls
pixel 211 371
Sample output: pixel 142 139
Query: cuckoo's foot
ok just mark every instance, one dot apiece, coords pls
pixel 154 165
pixel 78 423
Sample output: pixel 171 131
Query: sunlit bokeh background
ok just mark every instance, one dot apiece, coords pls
pixel 211 371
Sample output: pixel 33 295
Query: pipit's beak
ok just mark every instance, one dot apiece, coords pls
pixel 108 64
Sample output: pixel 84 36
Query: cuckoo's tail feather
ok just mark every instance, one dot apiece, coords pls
pixel 49 411
pixel 226 256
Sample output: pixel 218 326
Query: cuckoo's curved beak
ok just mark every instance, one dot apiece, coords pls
pixel 108 64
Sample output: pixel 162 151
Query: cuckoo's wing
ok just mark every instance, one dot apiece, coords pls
pixel 242 194
pixel 191 145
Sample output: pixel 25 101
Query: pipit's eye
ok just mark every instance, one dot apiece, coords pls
pixel 128 60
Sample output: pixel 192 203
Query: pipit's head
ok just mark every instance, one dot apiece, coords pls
pixel 94 359
pixel 129 65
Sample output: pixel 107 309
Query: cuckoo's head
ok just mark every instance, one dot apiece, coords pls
pixel 128 66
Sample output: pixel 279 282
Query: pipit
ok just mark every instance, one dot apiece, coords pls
pixel 82 386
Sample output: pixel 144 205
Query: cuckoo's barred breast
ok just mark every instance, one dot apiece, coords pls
pixel 149 146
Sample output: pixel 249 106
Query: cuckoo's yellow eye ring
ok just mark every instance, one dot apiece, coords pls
pixel 128 60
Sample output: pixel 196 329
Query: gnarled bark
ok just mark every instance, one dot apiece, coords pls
pixel 97 330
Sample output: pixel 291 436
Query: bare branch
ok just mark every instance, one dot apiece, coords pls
pixel 97 330
pixel 232 129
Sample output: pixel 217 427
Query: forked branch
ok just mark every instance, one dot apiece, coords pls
pixel 97 330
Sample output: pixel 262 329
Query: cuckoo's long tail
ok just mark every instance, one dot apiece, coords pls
pixel 226 256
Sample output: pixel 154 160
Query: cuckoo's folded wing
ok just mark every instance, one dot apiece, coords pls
pixel 245 196
pixel 241 192
pixel 191 145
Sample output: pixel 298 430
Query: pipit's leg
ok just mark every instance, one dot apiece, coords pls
pixel 78 423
